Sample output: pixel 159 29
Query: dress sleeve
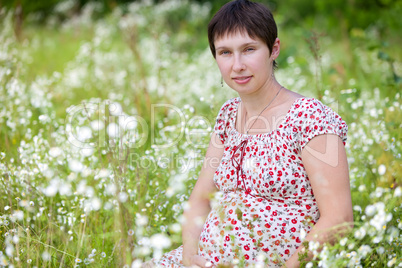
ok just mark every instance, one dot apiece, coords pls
pixel 223 120
pixel 318 119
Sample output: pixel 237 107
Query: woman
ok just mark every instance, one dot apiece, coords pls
pixel 277 157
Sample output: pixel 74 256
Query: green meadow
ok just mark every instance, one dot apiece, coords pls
pixel 105 120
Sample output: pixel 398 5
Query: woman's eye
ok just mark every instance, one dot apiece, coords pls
pixel 249 49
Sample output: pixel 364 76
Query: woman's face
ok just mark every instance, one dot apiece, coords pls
pixel 245 63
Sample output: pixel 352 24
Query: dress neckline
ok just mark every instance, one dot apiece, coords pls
pixel 266 133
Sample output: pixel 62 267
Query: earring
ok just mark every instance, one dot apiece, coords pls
pixel 221 81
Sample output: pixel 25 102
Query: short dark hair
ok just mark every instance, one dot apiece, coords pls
pixel 243 15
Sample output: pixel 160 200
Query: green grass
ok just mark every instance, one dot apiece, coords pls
pixel 51 49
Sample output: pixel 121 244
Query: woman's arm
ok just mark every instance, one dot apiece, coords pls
pixel 324 159
pixel 199 204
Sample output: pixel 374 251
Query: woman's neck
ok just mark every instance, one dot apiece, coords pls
pixel 254 103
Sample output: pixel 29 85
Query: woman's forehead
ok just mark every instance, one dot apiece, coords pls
pixel 239 38
pixel 234 34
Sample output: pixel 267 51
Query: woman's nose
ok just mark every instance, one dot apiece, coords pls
pixel 238 64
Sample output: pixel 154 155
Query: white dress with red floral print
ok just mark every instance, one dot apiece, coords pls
pixel 267 199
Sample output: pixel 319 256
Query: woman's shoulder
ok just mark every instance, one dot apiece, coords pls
pixel 229 107
pixel 310 117
pixel 301 101
pixel 313 106
pixel 231 103
pixel 226 118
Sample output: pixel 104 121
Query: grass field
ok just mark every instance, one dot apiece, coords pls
pixel 104 124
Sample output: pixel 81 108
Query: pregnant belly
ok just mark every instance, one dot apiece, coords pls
pixel 250 229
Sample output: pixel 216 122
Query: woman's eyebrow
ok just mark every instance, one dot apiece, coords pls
pixel 243 45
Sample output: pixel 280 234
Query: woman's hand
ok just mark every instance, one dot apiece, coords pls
pixel 196 261
pixel 199 204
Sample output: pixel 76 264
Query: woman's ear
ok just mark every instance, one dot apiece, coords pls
pixel 276 48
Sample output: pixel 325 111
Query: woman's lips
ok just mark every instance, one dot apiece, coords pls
pixel 242 79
